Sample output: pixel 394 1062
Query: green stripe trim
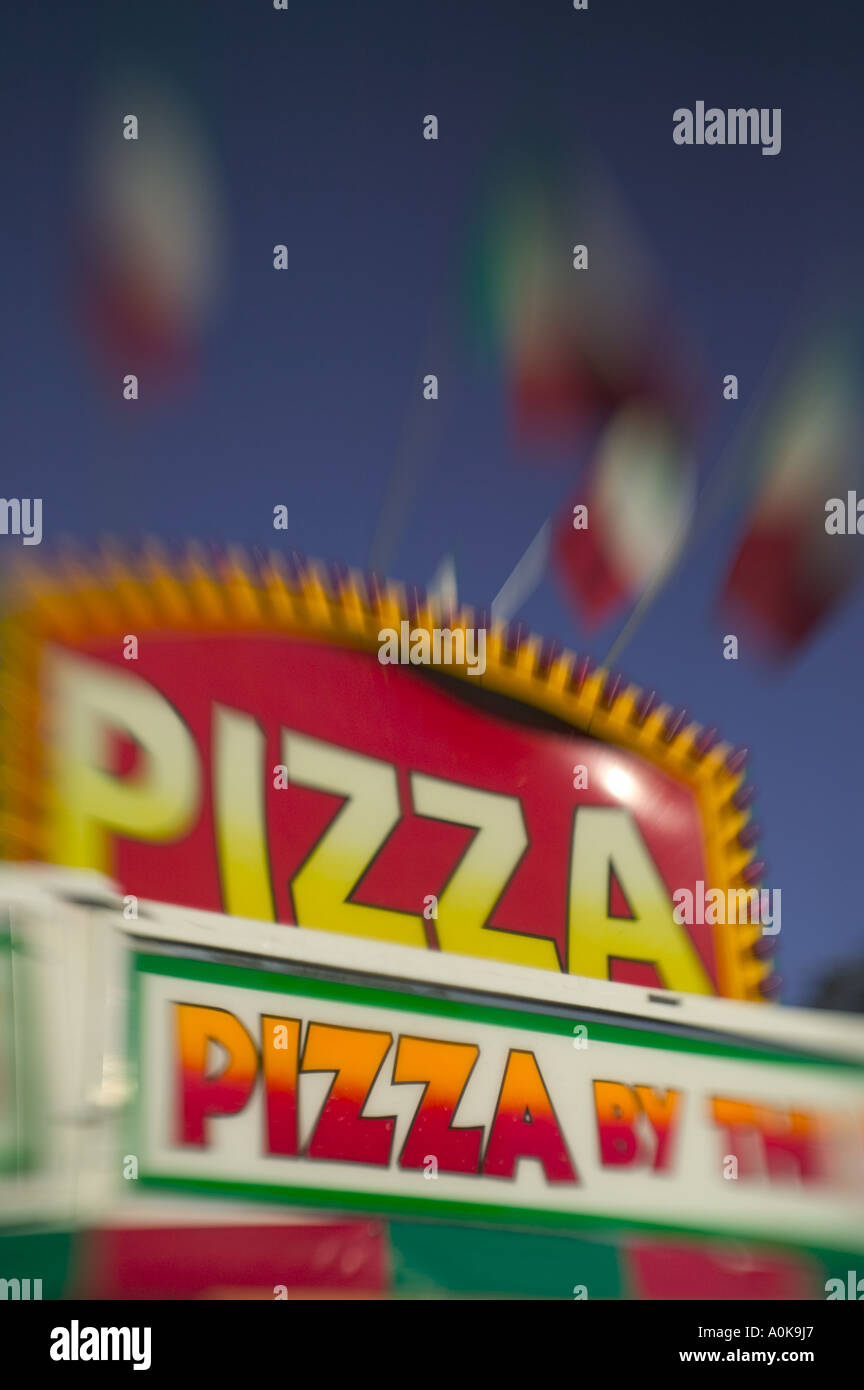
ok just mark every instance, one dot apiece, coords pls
pixel 388 1204
pixel 432 1259
pixel 243 977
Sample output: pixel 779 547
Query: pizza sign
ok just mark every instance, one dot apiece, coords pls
pixel 231 741
pixel 445 1107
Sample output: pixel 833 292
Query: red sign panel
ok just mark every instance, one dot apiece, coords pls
pixel 277 767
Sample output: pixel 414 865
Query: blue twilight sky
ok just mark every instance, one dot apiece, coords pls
pixel 309 380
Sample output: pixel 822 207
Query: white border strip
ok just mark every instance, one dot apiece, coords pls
pixel 823 1032
pixel 817 1031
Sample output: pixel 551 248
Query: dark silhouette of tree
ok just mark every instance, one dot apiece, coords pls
pixel 842 987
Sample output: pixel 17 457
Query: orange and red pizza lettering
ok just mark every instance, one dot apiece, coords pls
pixel 662 1109
pixel 444 1068
pixel 342 1132
pixel 617 1110
pixel 525 1125
pixel 199 1095
pixel 740 1120
pixel 280 1055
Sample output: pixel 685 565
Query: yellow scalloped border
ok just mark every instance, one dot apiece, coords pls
pixel 79 597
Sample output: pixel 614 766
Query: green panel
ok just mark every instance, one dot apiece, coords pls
pixel 437 1260
pixel 45 1255
pixel 837 1264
